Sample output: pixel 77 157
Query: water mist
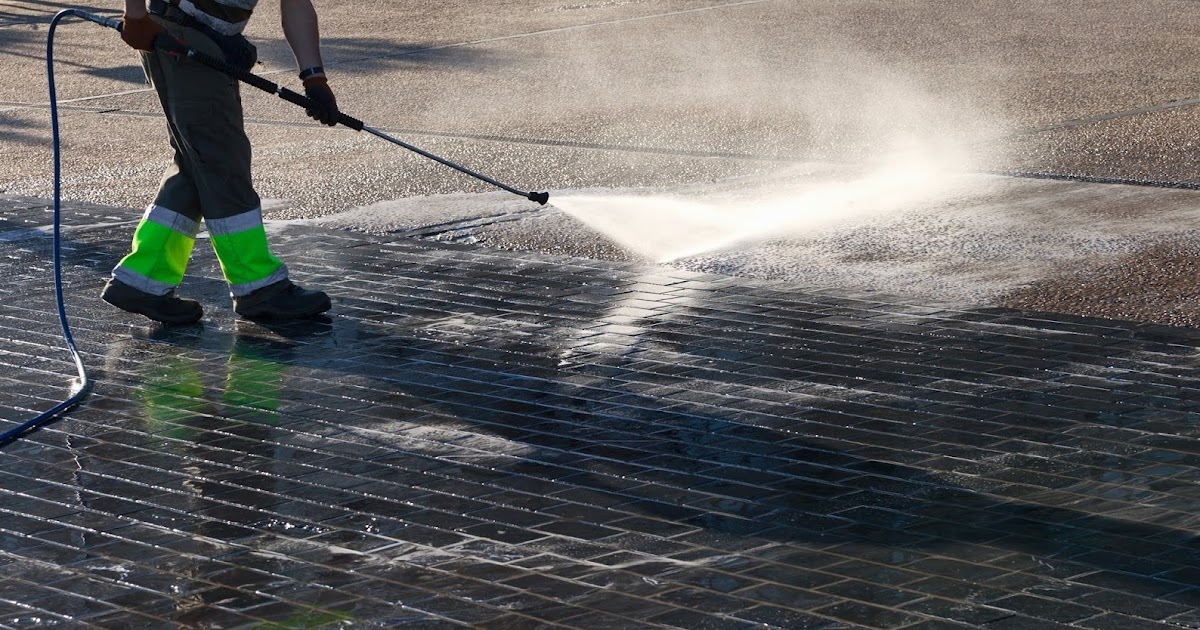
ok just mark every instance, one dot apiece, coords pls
pixel 794 202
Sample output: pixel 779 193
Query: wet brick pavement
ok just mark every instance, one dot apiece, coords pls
pixel 495 440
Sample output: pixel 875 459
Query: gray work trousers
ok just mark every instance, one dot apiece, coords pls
pixel 209 176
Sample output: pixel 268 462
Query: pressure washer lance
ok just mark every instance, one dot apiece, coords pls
pixel 172 45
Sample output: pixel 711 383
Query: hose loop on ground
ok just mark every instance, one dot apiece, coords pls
pixel 83 385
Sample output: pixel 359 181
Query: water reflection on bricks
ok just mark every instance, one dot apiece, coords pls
pixel 486 439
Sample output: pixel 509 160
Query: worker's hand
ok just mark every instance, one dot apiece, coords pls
pixel 322 104
pixel 140 33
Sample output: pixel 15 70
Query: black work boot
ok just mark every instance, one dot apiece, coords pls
pixel 281 300
pixel 161 308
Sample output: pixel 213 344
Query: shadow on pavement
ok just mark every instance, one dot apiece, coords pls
pixel 490 434
pixel 371 56
pixel 858 476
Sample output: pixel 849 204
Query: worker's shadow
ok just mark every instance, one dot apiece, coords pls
pixel 131 74
pixel 19 129
pixel 49 8
pixel 368 56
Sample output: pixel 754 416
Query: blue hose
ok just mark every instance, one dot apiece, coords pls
pixel 84 385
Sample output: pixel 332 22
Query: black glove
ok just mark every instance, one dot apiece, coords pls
pixel 322 105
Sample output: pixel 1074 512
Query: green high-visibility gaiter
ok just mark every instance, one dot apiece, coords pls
pixel 240 242
pixel 162 245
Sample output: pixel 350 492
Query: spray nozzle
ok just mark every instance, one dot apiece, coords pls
pixel 540 197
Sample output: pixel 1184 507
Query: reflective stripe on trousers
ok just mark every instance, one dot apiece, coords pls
pixel 163 242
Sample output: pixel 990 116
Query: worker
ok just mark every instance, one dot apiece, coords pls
pixel 209 178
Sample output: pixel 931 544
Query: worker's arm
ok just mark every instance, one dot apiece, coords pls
pixel 300 30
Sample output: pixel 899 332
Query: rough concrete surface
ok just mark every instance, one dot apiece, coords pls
pixel 655 95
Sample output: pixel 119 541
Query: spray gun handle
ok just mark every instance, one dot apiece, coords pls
pixel 302 101
pixel 350 121
pixel 171 44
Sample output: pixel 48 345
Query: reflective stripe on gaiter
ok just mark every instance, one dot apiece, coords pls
pixel 240 242
pixel 162 245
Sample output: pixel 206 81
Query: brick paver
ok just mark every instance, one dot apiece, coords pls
pixel 499 440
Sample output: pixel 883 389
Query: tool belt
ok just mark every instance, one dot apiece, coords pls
pixel 238 51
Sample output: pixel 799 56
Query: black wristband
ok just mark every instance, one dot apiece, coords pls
pixel 308 72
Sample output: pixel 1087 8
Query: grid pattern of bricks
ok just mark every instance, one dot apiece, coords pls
pixel 497 440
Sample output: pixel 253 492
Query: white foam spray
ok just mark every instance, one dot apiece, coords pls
pixel 668 227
